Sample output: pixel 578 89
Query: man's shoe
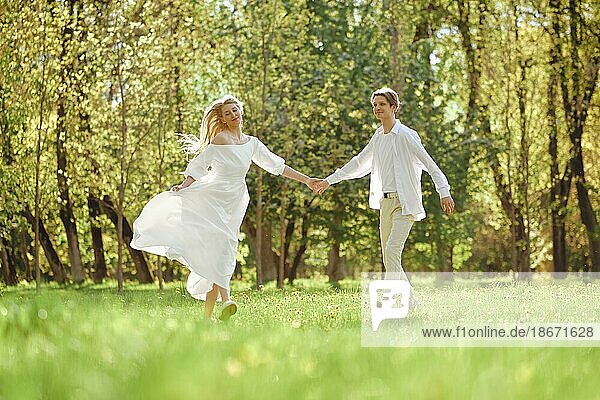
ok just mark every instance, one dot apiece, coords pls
pixel 229 308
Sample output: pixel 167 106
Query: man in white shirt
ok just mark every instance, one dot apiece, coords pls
pixel 395 158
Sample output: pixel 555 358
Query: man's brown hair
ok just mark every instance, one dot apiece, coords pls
pixel 390 95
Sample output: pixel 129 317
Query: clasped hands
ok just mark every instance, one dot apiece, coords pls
pixel 317 185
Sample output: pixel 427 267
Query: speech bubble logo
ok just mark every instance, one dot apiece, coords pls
pixel 389 300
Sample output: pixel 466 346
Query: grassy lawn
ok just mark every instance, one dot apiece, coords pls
pixel 300 343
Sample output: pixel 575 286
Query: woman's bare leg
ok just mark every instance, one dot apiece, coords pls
pixel 211 298
pixel 229 307
pixel 224 294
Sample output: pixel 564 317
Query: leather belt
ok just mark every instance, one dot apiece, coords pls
pixel 390 195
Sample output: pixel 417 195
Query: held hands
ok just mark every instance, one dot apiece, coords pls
pixel 311 182
pixel 317 185
pixel 177 188
pixel 321 186
pixel 447 204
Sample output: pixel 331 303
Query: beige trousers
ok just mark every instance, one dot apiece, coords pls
pixel 393 230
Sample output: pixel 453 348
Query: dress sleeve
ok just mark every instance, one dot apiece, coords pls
pixel 198 166
pixel 267 160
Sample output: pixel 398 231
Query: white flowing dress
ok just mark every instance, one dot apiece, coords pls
pixel 199 225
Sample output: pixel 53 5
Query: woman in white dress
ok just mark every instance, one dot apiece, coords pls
pixel 197 223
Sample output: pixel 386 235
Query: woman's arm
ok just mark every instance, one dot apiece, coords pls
pixel 291 173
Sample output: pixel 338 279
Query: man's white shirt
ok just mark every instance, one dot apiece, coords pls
pixel 384 156
pixel 409 160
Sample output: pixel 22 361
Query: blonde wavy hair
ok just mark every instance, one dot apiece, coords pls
pixel 212 125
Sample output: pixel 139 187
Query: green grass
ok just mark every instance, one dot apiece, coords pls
pixel 300 343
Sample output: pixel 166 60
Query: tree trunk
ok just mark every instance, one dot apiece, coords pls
pixel 441 251
pixel 259 232
pixel 559 243
pixel 472 59
pixel 161 160
pixel 143 273
pixel 100 272
pixel 334 270
pixel 559 194
pixel 259 181
pixel 269 258
pixel 397 83
pixel 122 166
pixel 282 237
pixel 23 241
pixel 56 265
pixel 289 232
pixel 38 154
pixel 66 207
pixel 520 245
pixel 588 217
pixel 303 242
pixel 578 81
pixel 523 241
pixel 9 273
pixel 299 252
pixel 478 118
pixel 559 186
pixel 175 94
pixel 584 84
pixel 168 273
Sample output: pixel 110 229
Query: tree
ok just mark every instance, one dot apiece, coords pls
pixel 68 68
pixel 575 62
